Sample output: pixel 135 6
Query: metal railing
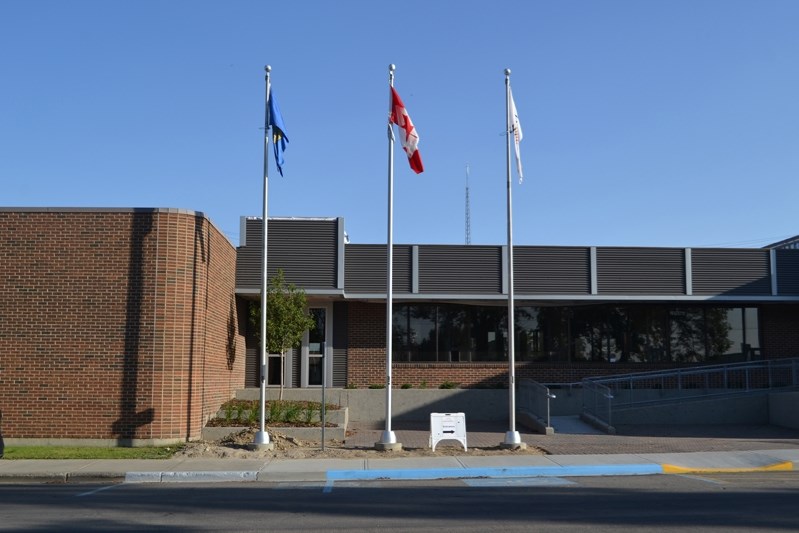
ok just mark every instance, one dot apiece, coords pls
pixel 603 395
pixel 597 402
pixel 534 398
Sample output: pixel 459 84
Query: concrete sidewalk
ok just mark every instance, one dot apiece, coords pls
pixel 636 450
pixel 331 470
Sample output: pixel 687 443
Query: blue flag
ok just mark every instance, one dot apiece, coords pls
pixel 279 138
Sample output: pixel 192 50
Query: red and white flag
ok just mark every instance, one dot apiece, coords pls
pixel 408 136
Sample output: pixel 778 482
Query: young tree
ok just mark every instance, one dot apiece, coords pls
pixel 287 319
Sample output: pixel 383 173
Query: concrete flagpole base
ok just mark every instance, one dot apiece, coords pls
pixel 388 443
pixel 513 441
pixel 261 442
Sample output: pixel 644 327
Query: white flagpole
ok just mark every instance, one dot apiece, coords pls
pixel 388 441
pixel 261 439
pixel 512 437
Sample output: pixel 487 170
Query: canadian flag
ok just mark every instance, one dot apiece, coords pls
pixel 408 136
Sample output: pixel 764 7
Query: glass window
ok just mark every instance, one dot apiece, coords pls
pixel 687 335
pixel 751 328
pixel 528 334
pixel 455 340
pixel 490 333
pixel 725 333
pixel 316 346
pixel 448 332
pixel 415 333
pixel 588 331
pixel 733 333
pixel 635 333
pixel 646 334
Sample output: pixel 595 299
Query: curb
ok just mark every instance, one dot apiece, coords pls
pixel 63 477
pixel 785 466
pixel 330 476
pixel 521 471
pixel 191 477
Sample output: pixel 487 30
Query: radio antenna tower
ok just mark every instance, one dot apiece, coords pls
pixel 468 210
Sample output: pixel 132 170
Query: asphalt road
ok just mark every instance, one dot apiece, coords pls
pixel 731 502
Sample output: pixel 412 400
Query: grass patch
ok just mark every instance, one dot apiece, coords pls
pixel 90 452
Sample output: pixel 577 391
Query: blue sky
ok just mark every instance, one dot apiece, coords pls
pixel 646 123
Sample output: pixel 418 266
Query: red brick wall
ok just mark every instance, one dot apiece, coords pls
pixel 366 354
pixel 115 324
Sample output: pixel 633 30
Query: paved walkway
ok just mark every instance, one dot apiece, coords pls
pixel 636 451
pixel 583 440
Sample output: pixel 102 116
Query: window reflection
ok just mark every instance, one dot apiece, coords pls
pixel 591 333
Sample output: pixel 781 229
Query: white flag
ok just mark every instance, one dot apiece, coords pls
pixel 516 129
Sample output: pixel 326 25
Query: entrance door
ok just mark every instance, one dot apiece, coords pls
pixel 315 352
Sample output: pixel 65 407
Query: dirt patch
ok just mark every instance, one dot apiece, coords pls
pixel 286 447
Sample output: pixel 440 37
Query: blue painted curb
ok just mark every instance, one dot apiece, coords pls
pixel 520 471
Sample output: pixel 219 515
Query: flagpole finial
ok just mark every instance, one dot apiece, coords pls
pixel 507 72
pixel 268 68
pixel 392 67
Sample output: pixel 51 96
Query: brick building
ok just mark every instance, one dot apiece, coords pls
pixel 130 326
pixel 116 325
pixel 580 311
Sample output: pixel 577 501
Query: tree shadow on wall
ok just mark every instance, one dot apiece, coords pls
pixel 232 334
pixel 125 427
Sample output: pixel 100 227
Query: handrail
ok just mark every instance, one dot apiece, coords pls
pixel 702 368
pixel 534 398
pixel 598 403
pixel 601 395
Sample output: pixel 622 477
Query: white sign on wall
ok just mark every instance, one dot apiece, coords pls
pixel 445 426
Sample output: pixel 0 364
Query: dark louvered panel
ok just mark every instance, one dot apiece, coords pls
pixel 403 270
pixel 460 269
pixel 306 250
pixel 787 272
pixel 340 367
pixel 731 272
pixel 641 271
pixel 295 366
pixel 248 265
pixel 551 270
pixel 252 367
pixel 365 269
pixel 340 343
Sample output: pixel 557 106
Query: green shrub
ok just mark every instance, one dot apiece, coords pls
pixel 448 385
pixel 406 386
pixel 309 413
pixel 292 413
pixel 377 386
pixel 351 386
pixel 275 411
pixel 423 384
pixel 254 415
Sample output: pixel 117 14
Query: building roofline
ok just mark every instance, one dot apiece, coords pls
pixel 789 240
pixel 171 210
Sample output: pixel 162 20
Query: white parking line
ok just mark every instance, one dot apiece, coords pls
pixel 704 479
pixel 519 482
pixel 95 491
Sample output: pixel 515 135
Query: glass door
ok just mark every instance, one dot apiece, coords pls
pixel 314 348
